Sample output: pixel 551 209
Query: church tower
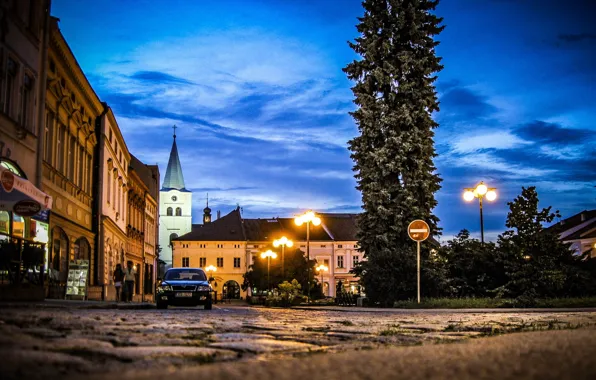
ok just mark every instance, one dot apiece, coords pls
pixel 175 206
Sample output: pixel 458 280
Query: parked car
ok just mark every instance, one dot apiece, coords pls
pixel 184 287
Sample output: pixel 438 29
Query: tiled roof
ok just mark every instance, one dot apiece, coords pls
pixel 226 228
pixel 264 229
pixel 149 174
pixel 174 178
pixel 572 221
pixel 586 232
pixel 342 227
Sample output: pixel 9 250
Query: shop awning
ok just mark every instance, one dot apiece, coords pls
pixel 21 196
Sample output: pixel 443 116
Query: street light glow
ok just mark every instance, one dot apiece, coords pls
pixel 322 268
pixel 268 253
pixel 468 196
pixel 491 195
pixel 211 268
pixel 481 189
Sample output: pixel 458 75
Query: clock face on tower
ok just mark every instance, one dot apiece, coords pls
pixel 174 198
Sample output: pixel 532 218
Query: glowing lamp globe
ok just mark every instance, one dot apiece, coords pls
pixel 289 243
pixel 491 195
pixel 481 189
pixel 298 220
pixel 276 243
pixel 316 221
pixel 468 196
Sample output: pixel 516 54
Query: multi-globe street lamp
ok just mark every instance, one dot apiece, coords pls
pixel 284 242
pixel 481 191
pixel 269 254
pixel 308 218
pixel 210 269
pixel 322 269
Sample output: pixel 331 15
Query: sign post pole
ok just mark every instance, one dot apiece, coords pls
pixel 418 243
pixel 418 231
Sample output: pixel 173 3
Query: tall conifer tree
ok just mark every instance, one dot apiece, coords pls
pixel 394 152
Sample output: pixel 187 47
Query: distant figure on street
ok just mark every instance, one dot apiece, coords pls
pixel 340 287
pixel 118 279
pixel 129 280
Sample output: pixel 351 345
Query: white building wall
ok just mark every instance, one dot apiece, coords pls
pixel 169 225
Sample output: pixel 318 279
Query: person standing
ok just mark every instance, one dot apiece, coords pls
pixel 118 277
pixel 129 280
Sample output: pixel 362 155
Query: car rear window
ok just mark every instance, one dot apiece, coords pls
pixel 185 274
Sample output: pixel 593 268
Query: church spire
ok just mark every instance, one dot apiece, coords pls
pixel 174 178
pixel 207 212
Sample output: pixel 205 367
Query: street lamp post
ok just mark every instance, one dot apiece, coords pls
pixel 321 269
pixel 284 242
pixel 210 269
pixel 480 191
pixel 308 217
pixel 268 255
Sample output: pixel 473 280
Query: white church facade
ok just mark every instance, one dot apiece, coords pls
pixel 175 206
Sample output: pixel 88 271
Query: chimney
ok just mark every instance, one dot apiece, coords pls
pixel 218 214
pixel 583 217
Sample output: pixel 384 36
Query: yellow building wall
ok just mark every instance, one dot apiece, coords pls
pixel 211 251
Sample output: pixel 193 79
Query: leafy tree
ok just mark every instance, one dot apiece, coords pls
pixel 296 267
pixel 394 151
pixel 537 262
pixel 472 267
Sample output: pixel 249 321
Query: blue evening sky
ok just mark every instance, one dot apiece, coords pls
pixel 257 90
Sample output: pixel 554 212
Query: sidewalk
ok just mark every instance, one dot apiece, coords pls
pixel 354 309
pixel 77 304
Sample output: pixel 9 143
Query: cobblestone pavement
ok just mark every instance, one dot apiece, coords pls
pixel 47 343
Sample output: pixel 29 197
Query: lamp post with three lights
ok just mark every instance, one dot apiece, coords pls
pixel 480 191
pixel 269 254
pixel 308 218
pixel 284 242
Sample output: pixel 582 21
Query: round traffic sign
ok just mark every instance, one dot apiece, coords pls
pixel 419 230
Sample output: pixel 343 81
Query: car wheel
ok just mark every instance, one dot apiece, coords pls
pixel 162 305
pixel 208 306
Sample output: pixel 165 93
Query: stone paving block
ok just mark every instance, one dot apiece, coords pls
pixel 264 345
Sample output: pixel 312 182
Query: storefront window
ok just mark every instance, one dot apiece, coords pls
pixel 4 223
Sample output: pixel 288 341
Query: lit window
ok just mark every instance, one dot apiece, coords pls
pixel 186 262
pixel 220 262
pixel 236 262
pixel 340 261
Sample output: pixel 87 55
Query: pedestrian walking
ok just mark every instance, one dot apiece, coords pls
pixel 118 277
pixel 129 280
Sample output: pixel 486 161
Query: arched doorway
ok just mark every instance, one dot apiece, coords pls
pixel 231 290
pixel 59 259
pixel 82 249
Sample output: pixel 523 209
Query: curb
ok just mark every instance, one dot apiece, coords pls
pixel 79 305
pixel 348 309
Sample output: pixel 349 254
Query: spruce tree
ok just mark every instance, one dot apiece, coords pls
pixel 394 152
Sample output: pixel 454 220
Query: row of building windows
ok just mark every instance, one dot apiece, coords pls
pixel 117 153
pixel 170 211
pixel 340 261
pixel 16 81
pixel 236 246
pixel 203 262
pixel 65 153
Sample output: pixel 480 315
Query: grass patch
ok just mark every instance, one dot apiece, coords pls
pixel 494 303
pixel 392 330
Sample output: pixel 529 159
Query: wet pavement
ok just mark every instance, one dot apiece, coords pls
pixel 49 342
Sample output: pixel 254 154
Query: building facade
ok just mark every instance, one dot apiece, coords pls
pixel 72 111
pixel 578 230
pixel 23 48
pixel 111 201
pixel 232 244
pixel 141 227
pixel 175 206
